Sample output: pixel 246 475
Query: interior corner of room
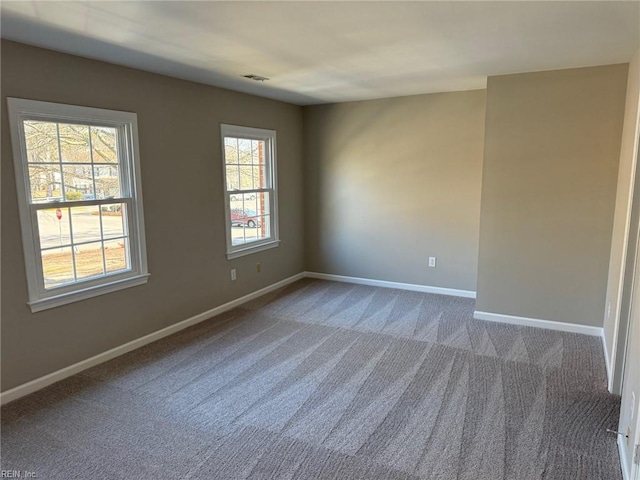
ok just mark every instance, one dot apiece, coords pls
pixel 522 195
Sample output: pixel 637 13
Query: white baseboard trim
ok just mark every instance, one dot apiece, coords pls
pixel 385 284
pixel 607 361
pixel 535 322
pixel 46 380
pixel 622 452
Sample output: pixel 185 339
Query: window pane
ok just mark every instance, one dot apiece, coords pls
pixel 113 220
pixel 89 261
pixel 246 177
pixel 45 183
pixel 231 150
pixel 41 141
pixel 262 203
pixel 260 179
pixel 264 227
pixel 57 266
pixel 116 253
pixel 235 200
pixel 257 229
pixel 244 151
pixel 85 222
pixel 252 222
pixel 54 231
pixel 74 143
pixel 237 234
pixel 104 141
pixel 238 217
pixel 257 152
pixel 78 182
pixel 107 180
pixel 232 178
pixel 250 203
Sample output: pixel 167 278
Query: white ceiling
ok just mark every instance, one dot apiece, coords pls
pixel 321 52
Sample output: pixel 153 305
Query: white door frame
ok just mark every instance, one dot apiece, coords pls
pixel 628 274
pixel 630 460
pixel 630 469
pixel 635 466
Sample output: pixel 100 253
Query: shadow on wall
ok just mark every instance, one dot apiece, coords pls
pixel 396 180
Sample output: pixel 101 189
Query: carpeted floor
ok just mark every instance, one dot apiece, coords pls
pixel 326 380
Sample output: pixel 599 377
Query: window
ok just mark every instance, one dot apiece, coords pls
pixel 80 200
pixel 249 156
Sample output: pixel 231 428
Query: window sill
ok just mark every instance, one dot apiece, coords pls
pixel 253 249
pixel 71 297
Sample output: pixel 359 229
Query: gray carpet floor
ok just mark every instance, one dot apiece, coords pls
pixel 323 380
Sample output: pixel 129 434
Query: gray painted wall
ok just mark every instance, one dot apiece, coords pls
pixel 552 146
pixel 179 129
pixel 389 183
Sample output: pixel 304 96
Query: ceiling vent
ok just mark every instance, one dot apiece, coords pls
pixel 257 78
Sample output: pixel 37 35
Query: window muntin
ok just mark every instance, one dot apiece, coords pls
pixel 80 200
pixel 250 190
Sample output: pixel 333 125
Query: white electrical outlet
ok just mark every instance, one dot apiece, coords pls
pixel 233 274
pixel 608 309
pixel 432 262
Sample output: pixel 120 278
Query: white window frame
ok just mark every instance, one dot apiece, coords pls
pixel 131 194
pixel 269 137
